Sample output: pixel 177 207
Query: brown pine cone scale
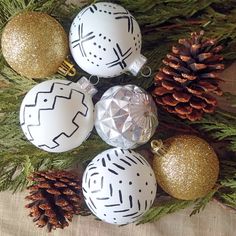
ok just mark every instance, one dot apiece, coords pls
pixel 55 197
pixel 185 85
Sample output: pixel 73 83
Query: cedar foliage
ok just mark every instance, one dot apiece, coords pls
pixel 162 23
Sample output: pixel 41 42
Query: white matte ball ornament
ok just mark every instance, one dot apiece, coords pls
pixel 119 186
pixel 57 115
pixel 105 40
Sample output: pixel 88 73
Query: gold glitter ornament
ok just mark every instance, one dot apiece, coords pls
pixel 185 166
pixel 34 44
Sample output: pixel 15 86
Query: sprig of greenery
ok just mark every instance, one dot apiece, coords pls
pixel 201 203
pixel 16 165
pixel 164 208
pixel 220 126
pixel 227 192
pixel 162 23
pixel 172 205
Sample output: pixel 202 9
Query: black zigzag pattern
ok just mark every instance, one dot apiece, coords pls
pixel 130 19
pixel 52 108
pixel 42 92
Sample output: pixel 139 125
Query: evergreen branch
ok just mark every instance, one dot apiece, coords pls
pixel 228 169
pixel 229 183
pixel 220 126
pixel 230 98
pixel 226 194
pixel 16 165
pixel 163 24
pixel 152 13
pixel 171 206
pixel 201 203
pixel 229 199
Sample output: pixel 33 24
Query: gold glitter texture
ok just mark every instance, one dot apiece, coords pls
pixel 188 169
pixel 34 44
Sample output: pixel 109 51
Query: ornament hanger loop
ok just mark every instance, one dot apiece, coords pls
pixel 96 80
pixel 66 68
pixel 146 71
pixel 158 147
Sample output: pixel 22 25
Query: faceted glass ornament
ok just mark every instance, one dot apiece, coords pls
pixel 105 40
pixel 126 116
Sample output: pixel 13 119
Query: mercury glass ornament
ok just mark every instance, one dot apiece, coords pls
pixel 105 40
pixel 186 166
pixel 126 116
pixel 34 44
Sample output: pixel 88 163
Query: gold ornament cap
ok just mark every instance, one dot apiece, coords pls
pixel 66 68
pixel 158 147
pixel 34 44
pixel 185 166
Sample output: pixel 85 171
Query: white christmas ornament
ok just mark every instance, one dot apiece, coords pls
pixel 57 115
pixel 119 186
pixel 105 40
pixel 126 116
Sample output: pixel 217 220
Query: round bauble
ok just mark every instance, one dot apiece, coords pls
pixel 119 186
pixel 105 40
pixel 57 115
pixel 126 116
pixel 34 44
pixel 187 167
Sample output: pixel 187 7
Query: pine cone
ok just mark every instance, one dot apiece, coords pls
pixel 185 85
pixel 55 198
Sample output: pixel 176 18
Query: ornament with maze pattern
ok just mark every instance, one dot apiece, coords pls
pixel 57 115
pixel 105 40
pixel 119 186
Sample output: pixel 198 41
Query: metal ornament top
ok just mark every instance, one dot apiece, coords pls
pixel 105 40
pixel 126 116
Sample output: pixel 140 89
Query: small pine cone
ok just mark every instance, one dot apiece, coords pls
pixel 184 86
pixel 55 197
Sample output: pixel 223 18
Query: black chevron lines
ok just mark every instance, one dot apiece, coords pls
pixel 92 8
pixel 82 39
pixel 120 57
pixel 130 19
pixel 127 189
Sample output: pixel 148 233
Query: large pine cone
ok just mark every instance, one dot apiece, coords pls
pixel 55 198
pixel 185 84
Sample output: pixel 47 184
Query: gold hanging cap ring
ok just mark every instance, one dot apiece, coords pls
pixel 158 147
pixel 66 68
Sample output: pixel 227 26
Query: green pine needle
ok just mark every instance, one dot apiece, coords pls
pixel 162 23
pixel 173 205
pixel 201 203
pixel 164 208
pixel 220 126
pixel 229 199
